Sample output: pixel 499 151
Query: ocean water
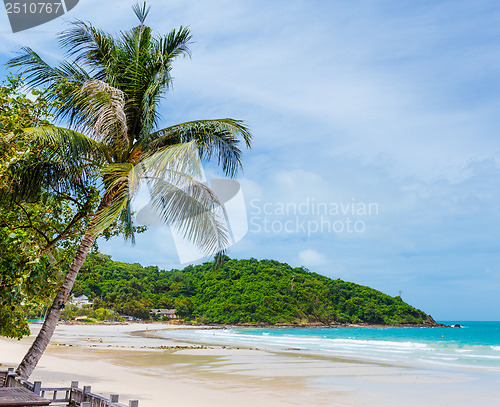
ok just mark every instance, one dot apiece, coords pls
pixel 474 345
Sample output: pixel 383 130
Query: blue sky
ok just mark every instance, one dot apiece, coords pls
pixel 388 102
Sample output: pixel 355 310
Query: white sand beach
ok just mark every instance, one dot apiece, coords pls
pixel 131 362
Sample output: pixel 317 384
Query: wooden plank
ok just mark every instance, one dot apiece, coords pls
pixel 19 396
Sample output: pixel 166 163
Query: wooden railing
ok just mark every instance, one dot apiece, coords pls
pixel 63 396
pixel 3 377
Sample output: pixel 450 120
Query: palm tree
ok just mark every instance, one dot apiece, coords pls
pixel 108 91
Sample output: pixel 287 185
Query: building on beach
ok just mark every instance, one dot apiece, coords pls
pixel 162 312
pixel 80 301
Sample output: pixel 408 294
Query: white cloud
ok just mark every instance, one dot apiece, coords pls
pixel 311 258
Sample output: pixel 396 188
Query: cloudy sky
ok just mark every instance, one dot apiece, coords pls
pixel 376 135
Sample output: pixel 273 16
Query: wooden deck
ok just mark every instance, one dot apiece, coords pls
pixel 15 388
pixel 19 396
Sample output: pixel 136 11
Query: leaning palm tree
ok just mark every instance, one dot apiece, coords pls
pixel 108 92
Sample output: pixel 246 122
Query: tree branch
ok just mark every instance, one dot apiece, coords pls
pixel 66 232
pixel 31 223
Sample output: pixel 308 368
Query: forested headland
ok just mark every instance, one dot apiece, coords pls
pixel 240 292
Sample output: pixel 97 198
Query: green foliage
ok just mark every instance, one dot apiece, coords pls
pixel 100 314
pixel 240 291
pixel 39 233
pixel 17 111
pixel 87 320
pixel 29 270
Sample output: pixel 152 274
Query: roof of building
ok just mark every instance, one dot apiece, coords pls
pixel 163 311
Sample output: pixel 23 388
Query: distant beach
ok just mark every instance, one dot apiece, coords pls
pixel 178 365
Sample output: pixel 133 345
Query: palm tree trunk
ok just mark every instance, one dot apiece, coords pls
pixel 43 338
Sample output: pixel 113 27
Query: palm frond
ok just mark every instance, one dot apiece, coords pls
pixel 141 12
pixel 217 138
pixel 60 83
pixel 129 72
pixel 117 191
pixel 59 160
pixel 67 143
pixel 101 108
pixel 36 71
pixel 177 195
pixel 151 99
pixel 193 210
pixel 172 45
pixel 142 69
pixel 156 73
pixel 90 45
pixel 175 159
pixel 181 199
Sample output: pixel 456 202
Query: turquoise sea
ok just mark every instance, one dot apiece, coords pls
pixel 473 345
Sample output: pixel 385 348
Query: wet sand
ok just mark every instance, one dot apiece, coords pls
pixel 132 362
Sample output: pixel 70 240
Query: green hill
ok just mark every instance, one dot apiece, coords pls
pixel 240 292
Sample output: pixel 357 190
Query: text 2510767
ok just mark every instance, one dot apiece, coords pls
pixel 33 8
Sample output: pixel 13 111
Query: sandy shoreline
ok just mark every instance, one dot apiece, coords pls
pixel 134 363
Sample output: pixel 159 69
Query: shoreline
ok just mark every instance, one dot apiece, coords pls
pixel 134 363
pixel 184 325
pixel 301 351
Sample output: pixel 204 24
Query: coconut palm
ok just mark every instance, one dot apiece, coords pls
pixel 108 92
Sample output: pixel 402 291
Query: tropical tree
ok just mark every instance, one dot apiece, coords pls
pixel 108 91
pixel 36 237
